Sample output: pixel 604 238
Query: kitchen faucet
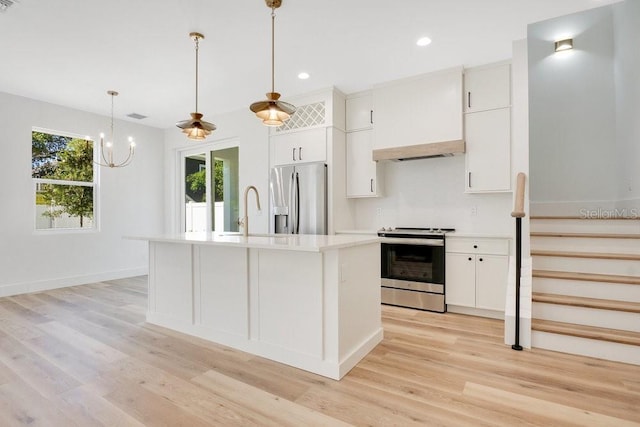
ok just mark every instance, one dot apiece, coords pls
pixel 244 222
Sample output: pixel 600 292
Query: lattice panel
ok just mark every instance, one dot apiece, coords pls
pixel 305 116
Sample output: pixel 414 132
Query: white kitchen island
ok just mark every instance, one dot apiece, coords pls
pixel 308 301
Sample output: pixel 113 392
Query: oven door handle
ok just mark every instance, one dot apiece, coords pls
pixel 403 241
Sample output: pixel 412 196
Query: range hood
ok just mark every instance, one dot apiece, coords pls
pixel 420 151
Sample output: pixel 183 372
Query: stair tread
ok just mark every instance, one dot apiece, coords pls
pixel 594 255
pixel 585 235
pixel 600 304
pixel 582 331
pixel 589 277
pixel 622 218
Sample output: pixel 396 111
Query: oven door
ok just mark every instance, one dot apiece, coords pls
pixel 413 264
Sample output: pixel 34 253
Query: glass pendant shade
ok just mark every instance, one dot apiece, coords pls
pixel 196 128
pixel 272 112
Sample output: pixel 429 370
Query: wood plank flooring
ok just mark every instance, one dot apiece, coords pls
pixel 84 356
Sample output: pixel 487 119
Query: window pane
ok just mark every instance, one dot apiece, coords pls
pixel 195 169
pixel 63 206
pixel 61 157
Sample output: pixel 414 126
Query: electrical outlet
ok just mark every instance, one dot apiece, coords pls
pixel 378 212
pixel 474 210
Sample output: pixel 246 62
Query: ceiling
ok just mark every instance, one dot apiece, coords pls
pixel 70 52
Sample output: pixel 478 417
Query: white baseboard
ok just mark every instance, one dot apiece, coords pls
pixel 63 282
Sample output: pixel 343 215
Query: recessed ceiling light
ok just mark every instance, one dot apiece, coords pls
pixel 423 41
pixel 303 76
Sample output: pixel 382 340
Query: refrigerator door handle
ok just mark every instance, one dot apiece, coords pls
pixel 297 195
pixel 292 210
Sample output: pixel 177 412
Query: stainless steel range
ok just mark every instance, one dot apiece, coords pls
pixel 412 267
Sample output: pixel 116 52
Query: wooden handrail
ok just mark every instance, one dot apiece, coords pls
pixel 518 210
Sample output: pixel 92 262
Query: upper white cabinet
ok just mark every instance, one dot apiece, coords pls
pixel 363 174
pixel 418 110
pixel 360 112
pixel 486 88
pixel 299 147
pixel 488 145
pixel 487 122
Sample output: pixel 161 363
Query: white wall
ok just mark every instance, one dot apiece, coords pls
pixel 572 110
pixel 239 128
pixel 626 32
pixel 430 193
pixel 130 203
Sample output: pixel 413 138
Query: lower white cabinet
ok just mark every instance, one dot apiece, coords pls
pixel 476 272
pixel 363 176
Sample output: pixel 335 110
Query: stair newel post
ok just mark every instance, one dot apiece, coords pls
pixel 518 214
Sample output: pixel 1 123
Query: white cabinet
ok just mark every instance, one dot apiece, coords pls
pixel 299 147
pixel 487 88
pixel 363 177
pixel 359 112
pixel 418 110
pixel 488 145
pixel 476 272
pixel 487 123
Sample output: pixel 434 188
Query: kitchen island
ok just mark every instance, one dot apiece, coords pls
pixel 308 301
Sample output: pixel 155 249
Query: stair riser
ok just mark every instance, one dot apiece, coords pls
pixel 587 265
pixel 586 347
pixel 586 244
pixel 587 316
pixel 580 288
pixel 586 226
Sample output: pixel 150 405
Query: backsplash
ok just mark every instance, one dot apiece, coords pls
pixel 430 192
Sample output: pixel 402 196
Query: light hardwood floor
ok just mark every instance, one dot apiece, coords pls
pixel 84 356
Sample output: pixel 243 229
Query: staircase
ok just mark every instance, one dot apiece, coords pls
pixel 586 286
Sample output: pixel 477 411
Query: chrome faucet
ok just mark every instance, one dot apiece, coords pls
pixel 244 222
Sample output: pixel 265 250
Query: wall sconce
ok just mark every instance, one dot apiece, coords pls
pixel 565 44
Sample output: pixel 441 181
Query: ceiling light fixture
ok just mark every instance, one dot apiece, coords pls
pixel 423 41
pixel 273 112
pixel 196 128
pixel 565 44
pixel 303 76
pixel 107 158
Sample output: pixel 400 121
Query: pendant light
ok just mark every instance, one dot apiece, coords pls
pixel 107 157
pixel 272 111
pixel 196 128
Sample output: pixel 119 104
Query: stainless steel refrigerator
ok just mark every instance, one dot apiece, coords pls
pixel 298 199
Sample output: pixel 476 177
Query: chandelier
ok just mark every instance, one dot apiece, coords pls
pixel 106 149
pixel 195 127
pixel 272 111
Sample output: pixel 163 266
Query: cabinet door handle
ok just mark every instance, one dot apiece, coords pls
pixel 299 153
pixel 294 154
pixel 371 116
pixel 469 178
pixel 470 258
pixel 469 99
pixel 372 185
pixel 475 246
pixel 480 259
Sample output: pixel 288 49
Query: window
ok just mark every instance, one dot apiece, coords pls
pixel 64 181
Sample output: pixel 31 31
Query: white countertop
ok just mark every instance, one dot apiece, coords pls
pixel 477 235
pixel 290 242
